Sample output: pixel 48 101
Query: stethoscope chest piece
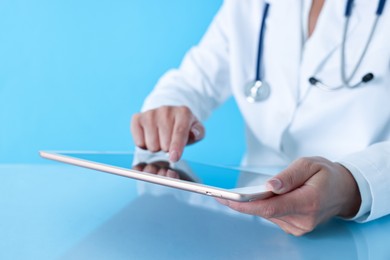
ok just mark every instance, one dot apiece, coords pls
pixel 256 91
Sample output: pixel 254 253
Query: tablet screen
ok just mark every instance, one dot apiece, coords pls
pixel 221 177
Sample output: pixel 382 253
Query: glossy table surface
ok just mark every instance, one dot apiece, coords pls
pixel 57 211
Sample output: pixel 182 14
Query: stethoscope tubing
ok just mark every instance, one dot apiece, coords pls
pixel 314 81
pixel 381 7
pixel 346 80
pixel 348 12
pixel 261 43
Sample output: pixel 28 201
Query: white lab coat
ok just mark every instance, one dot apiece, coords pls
pixel 350 126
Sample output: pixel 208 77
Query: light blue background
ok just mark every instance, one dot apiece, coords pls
pixel 73 72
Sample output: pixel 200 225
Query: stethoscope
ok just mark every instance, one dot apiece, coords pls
pixel 259 89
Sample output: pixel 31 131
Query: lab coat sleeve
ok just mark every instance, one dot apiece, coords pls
pixel 371 170
pixel 202 80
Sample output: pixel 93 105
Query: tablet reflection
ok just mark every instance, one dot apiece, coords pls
pixel 163 168
pixel 210 175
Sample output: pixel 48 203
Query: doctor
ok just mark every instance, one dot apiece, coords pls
pixel 312 80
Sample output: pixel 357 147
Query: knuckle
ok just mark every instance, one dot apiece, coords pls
pixel 269 212
pixel 309 227
pixel 146 118
pixel 310 164
pixel 181 129
pixel 314 163
pixel 184 110
pixel 308 223
pixel 164 112
pixel 135 118
pixel 304 162
pixel 302 226
pixel 165 109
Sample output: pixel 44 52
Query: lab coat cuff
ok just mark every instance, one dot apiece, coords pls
pixel 364 189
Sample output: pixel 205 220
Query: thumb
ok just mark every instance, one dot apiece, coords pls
pixel 197 132
pixel 294 176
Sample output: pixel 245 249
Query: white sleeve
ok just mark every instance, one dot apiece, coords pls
pixel 371 170
pixel 202 82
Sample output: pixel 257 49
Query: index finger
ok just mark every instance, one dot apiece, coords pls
pixel 180 135
pixel 179 141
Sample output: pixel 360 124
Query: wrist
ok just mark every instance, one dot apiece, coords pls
pixel 351 194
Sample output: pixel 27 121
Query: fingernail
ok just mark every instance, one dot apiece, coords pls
pixel 274 184
pixel 195 132
pixel 173 156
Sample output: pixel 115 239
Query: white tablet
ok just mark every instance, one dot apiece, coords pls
pixel 221 182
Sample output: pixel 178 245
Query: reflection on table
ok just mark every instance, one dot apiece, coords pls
pixel 165 223
pixel 57 211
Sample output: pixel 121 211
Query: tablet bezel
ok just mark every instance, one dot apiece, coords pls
pixel 238 194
